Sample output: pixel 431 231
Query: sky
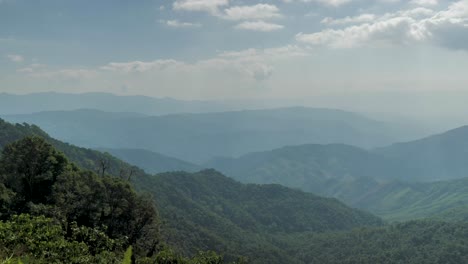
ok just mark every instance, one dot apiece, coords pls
pixel 343 53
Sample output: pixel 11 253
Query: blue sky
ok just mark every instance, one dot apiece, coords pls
pixel 231 49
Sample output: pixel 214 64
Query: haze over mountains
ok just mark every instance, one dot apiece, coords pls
pixel 38 102
pixel 152 162
pixel 403 181
pixel 268 223
pixel 200 137
pixel 208 211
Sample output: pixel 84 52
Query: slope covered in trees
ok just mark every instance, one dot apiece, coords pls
pixel 102 213
pixel 198 211
pixel 379 184
pixel 411 242
pixel 313 167
pixel 191 224
pixel 236 218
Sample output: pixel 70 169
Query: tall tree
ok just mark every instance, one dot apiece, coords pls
pixel 29 167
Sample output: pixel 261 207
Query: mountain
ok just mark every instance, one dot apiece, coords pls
pixel 438 157
pixel 402 201
pixel 363 179
pixel 150 161
pixel 207 210
pixel 39 102
pixel 275 224
pixel 321 169
pixel 199 137
pixel 230 216
pixel 411 242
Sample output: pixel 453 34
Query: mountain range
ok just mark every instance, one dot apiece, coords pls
pixel 199 137
pixel 208 211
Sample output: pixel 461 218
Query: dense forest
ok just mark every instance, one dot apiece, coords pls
pixel 63 204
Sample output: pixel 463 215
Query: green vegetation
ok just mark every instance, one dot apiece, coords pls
pixel 410 243
pixel 320 169
pixel 54 211
pixel 361 178
pixel 211 211
pixel 103 212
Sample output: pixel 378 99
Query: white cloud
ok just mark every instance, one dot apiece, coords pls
pixel 333 3
pixel 259 26
pixel 403 27
pixel 392 30
pixel 42 71
pixel 32 68
pixel 424 2
pixel 348 20
pixel 255 64
pixel 65 74
pixel 210 6
pixel 15 57
pixel 179 24
pixel 140 66
pixel 258 11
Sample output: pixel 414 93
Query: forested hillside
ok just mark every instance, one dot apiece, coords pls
pixel 314 168
pixel 237 218
pixel 191 224
pixel 77 216
pixel 97 216
pixel 382 185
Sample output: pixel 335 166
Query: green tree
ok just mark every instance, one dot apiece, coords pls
pixel 29 167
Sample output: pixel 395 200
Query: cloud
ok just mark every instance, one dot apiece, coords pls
pixel 41 71
pixel 259 26
pixel 210 6
pixel 392 30
pixel 32 68
pixel 401 28
pixel 253 12
pixel 424 2
pixel 179 24
pixel 255 64
pixel 348 20
pixel 15 58
pixel 66 74
pixel 140 66
pixel 332 3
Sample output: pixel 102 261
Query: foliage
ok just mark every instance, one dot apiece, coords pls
pixel 104 213
pixel 410 242
pixel 29 168
pixel 207 210
pixel 42 240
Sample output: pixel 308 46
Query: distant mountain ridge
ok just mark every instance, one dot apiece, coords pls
pixel 439 157
pixel 411 180
pixel 311 167
pixel 39 102
pixel 152 162
pixel 199 137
